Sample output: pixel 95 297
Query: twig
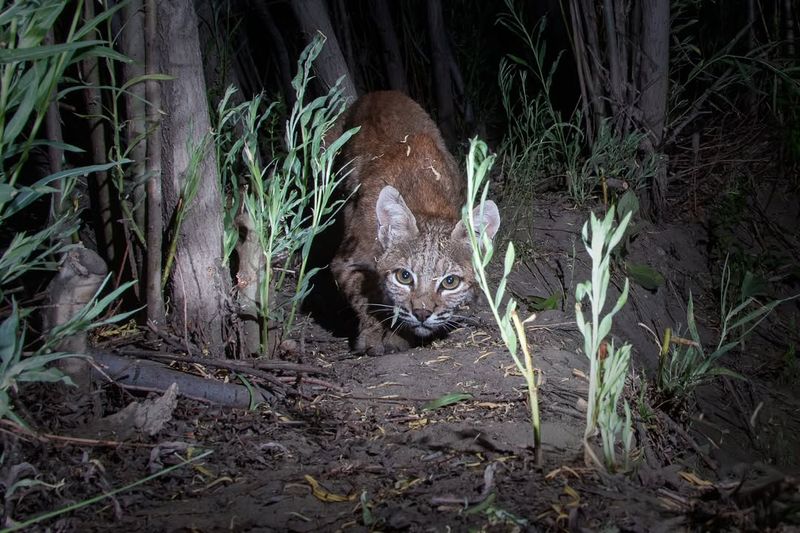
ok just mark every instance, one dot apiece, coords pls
pixel 682 432
pixel 217 363
pixel 48 437
pixel 740 409
pixel 102 496
pixel 233 364
pixel 311 381
pixel 165 336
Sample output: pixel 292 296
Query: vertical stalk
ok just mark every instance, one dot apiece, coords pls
pixel 155 223
pixel 264 304
pixel 131 41
pixel 54 153
pixel 533 390
pixel 662 359
pixel 97 135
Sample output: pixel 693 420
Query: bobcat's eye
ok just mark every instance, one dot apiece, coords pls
pixel 450 282
pixel 403 276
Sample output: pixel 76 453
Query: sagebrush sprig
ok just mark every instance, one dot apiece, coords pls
pixel 290 198
pixel 608 366
pixel 512 330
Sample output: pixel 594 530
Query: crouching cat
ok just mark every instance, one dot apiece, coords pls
pixel 404 261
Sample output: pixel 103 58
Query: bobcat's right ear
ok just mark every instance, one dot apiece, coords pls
pixel 486 223
pixel 396 223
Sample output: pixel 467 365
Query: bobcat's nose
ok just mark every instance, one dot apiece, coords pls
pixel 422 314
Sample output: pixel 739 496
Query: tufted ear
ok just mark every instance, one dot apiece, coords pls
pixel 487 224
pixel 396 223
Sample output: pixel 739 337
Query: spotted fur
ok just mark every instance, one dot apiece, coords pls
pixel 404 262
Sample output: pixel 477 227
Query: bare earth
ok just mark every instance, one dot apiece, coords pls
pixel 381 461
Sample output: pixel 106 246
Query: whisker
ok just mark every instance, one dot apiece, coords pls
pixel 402 319
pixel 380 306
pixel 452 325
pixel 396 328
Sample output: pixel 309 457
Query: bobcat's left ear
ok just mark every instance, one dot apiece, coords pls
pixel 396 222
pixel 487 224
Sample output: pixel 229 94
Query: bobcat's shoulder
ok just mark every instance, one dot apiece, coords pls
pixel 404 261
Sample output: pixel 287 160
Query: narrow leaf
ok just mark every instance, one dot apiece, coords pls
pixel 447 399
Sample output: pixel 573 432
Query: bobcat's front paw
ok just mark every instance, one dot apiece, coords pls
pixel 394 343
pixel 375 343
pixel 369 342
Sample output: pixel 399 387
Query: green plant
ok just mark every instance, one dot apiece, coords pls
pixel 643 407
pixel 126 179
pixel 616 156
pixel 290 199
pixel 90 316
pixel 185 202
pixel 538 143
pixel 608 366
pixel 17 368
pixel 16 526
pixel 30 74
pixel 714 75
pixel 511 328
pixel 684 365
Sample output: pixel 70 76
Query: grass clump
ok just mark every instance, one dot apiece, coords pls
pixel 684 364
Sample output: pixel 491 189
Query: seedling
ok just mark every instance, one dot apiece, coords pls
pixel 512 330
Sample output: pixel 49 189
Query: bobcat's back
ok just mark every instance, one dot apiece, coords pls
pixel 399 145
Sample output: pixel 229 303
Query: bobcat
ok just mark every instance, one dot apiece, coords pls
pixel 404 261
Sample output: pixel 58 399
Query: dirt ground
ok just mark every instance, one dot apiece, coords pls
pixel 367 455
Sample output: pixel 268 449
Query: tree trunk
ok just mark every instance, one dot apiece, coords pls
pixel 80 276
pixel 654 82
pixel 54 152
pixel 155 225
pixel 278 49
pixel 443 85
pixel 132 41
pixel 341 20
pixel 97 135
pixel 312 15
pixel 251 268
pixel 788 28
pixel 631 73
pixel 392 59
pixel 200 284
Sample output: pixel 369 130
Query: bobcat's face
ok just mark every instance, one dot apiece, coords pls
pixel 425 279
pixel 425 268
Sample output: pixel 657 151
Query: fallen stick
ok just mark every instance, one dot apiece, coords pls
pixel 207 361
pixel 139 374
pixel 231 364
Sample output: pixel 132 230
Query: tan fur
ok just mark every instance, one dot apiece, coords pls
pixel 400 146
